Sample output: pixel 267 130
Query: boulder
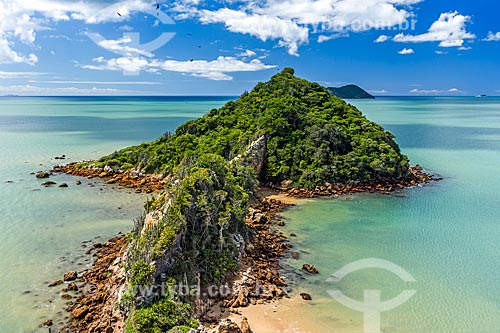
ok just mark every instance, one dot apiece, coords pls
pixel 80 312
pixel 306 296
pixel 70 276
pixel 47 323
pixel 72 287
pixel 56 283
pixel 42 174
pixel 228 327
pixel 63 185
pixel 310 269
pixel 245 327
pixel 48 183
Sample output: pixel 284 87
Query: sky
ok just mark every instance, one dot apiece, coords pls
pixel 206 47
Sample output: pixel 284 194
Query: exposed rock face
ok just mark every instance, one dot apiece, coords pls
pixel 95 309
pixel 255 155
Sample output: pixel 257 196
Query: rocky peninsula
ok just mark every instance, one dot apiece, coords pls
pixel 209 242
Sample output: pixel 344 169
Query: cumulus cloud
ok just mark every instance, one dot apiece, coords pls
pixel 21 20
pixel 325 38
pixel 217 69
pixel 381 39
pixel 406 51
pixel 449 30
pixel 291 22
pixel 492 37
pixel 264 27
pixel 247 54
pixel 120 46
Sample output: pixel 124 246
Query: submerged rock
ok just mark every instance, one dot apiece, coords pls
pixel 48 183
pixel 56 283
pixel 310 269
pixel 63 185
pixel 306 296
pixel 42 174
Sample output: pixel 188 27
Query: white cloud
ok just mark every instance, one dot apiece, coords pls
pixel 325 38
pixel 14 75
pixel 146 83
pixel 449 30
pixel 492 37
pixel 383 91
pixel 218 69
pixel 381 39
pixel 465 48
pixel 119 46
pixel 406 51
pixel 264 27
pixel 435 91
pixel 20 20
pixel 247 54
pixel 441 52
pixel 31 90
pixel 292 21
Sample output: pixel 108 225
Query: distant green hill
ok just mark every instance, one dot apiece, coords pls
pixel 350 91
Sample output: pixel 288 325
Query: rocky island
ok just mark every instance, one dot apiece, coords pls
pixel 350 91
pixel 209 241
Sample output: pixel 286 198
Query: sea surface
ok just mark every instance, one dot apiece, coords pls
pixel 42 229
pixel 446 235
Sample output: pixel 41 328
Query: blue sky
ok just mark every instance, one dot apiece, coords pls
pixel 197 47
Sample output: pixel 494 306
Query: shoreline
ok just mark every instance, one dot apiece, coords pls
pixel 95 311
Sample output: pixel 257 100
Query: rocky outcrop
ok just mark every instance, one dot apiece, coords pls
pixel 416 176
pixel 94 310
pixel 146 183
pixel 255 155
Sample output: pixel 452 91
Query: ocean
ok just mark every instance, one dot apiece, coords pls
pixel 445 235
pixel 42 229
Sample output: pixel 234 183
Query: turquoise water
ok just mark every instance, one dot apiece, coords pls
pixel 446 235
pixel 41 229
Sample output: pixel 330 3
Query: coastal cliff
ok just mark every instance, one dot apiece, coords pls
pixel 210 227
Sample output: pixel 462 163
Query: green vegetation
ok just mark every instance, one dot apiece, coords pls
pixel 164 315
pixel 197 235
pixel 313 137
pixel 350 91
pixel 193 242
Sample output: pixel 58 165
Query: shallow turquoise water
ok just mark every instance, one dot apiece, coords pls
pixel 446 235
pixel 41 229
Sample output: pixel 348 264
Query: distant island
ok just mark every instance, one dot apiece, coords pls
pixel 350 91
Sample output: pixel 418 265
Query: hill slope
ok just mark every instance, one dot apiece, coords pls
pixel 312 137
pixel 350 92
